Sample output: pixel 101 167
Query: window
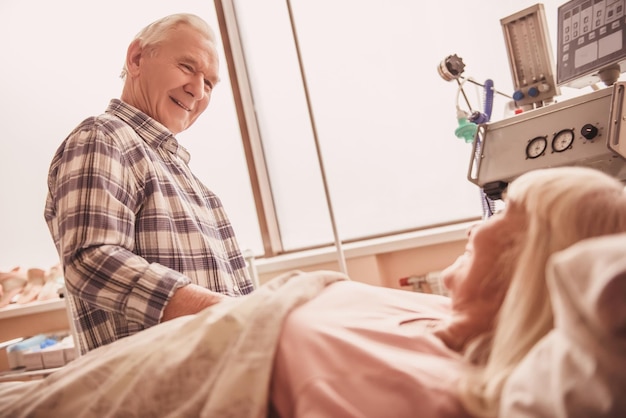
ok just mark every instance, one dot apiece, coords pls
pixel 368 90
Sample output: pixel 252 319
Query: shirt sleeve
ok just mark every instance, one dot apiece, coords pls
pixel 96 195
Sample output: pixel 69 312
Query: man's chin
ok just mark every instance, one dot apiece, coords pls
pixel 176 128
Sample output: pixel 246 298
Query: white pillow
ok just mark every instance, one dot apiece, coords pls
pixel 579 368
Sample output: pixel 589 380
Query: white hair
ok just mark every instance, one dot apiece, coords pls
pixel 563 206
pixel 150 36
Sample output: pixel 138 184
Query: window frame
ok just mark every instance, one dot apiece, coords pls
pixel 254 153
pixel 249 127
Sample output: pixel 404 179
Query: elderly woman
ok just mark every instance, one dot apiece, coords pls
pixel 319 345
pixel 359 351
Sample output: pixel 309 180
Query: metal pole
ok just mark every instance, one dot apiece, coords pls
pixel 338 246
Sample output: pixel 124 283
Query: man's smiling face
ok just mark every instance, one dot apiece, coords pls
pixel 172 83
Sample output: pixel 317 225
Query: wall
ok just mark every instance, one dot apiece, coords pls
pixel 61 62
pixel 387 268
pixel 379 262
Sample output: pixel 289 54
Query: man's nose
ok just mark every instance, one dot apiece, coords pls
pixel 195 87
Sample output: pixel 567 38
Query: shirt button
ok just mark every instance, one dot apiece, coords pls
pixel 236 288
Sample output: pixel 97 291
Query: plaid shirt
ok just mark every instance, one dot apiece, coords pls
pixel 132 224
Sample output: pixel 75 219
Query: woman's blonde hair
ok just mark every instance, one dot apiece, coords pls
pixel 157 31
pixel 562 205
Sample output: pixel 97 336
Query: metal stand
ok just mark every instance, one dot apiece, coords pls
pixel 338 246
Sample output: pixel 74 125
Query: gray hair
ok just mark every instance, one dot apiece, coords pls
pixel 153 34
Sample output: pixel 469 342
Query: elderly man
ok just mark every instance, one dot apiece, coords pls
pixel 141 239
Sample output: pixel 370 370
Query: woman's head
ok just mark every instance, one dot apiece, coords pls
pixel 560 206
pixel 477 281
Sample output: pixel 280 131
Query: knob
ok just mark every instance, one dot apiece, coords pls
pixel 589 131
pixel 543 87
pixel 518 95
pixel 533 92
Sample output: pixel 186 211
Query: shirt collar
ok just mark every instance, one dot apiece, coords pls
pixel 152 132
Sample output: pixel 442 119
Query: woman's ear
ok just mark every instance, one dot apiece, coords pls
pixel 133 57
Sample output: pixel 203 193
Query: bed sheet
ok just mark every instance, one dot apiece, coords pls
pixel 214 364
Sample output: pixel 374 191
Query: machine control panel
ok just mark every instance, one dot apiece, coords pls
pixel 591 41
pixel 582 131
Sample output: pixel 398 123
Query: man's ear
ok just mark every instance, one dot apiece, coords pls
pixel 133 57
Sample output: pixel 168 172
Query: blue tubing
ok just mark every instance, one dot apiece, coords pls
pixel 489 93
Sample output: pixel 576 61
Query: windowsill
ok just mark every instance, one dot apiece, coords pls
pixel 16 309
pixel 391 243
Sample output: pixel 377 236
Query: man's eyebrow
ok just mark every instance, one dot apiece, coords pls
pixel 186 59
pixel 189 60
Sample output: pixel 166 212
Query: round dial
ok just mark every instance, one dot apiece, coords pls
pixel 536 147
pixel 563 140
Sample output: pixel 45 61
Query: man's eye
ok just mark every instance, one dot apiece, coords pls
pixel 187 67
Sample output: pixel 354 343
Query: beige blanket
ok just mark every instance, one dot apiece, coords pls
pixel 214 364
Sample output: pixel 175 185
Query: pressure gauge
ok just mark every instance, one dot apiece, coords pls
pixel 536 147
pixel 530 56
pixel 562 140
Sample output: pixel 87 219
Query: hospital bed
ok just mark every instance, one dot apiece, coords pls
pixel 212 365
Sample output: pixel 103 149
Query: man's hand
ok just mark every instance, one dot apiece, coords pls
pixel 189 300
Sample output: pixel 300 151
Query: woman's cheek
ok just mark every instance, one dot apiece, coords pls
pixel 452 273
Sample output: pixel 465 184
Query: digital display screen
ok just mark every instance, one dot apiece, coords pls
pixel 591 37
